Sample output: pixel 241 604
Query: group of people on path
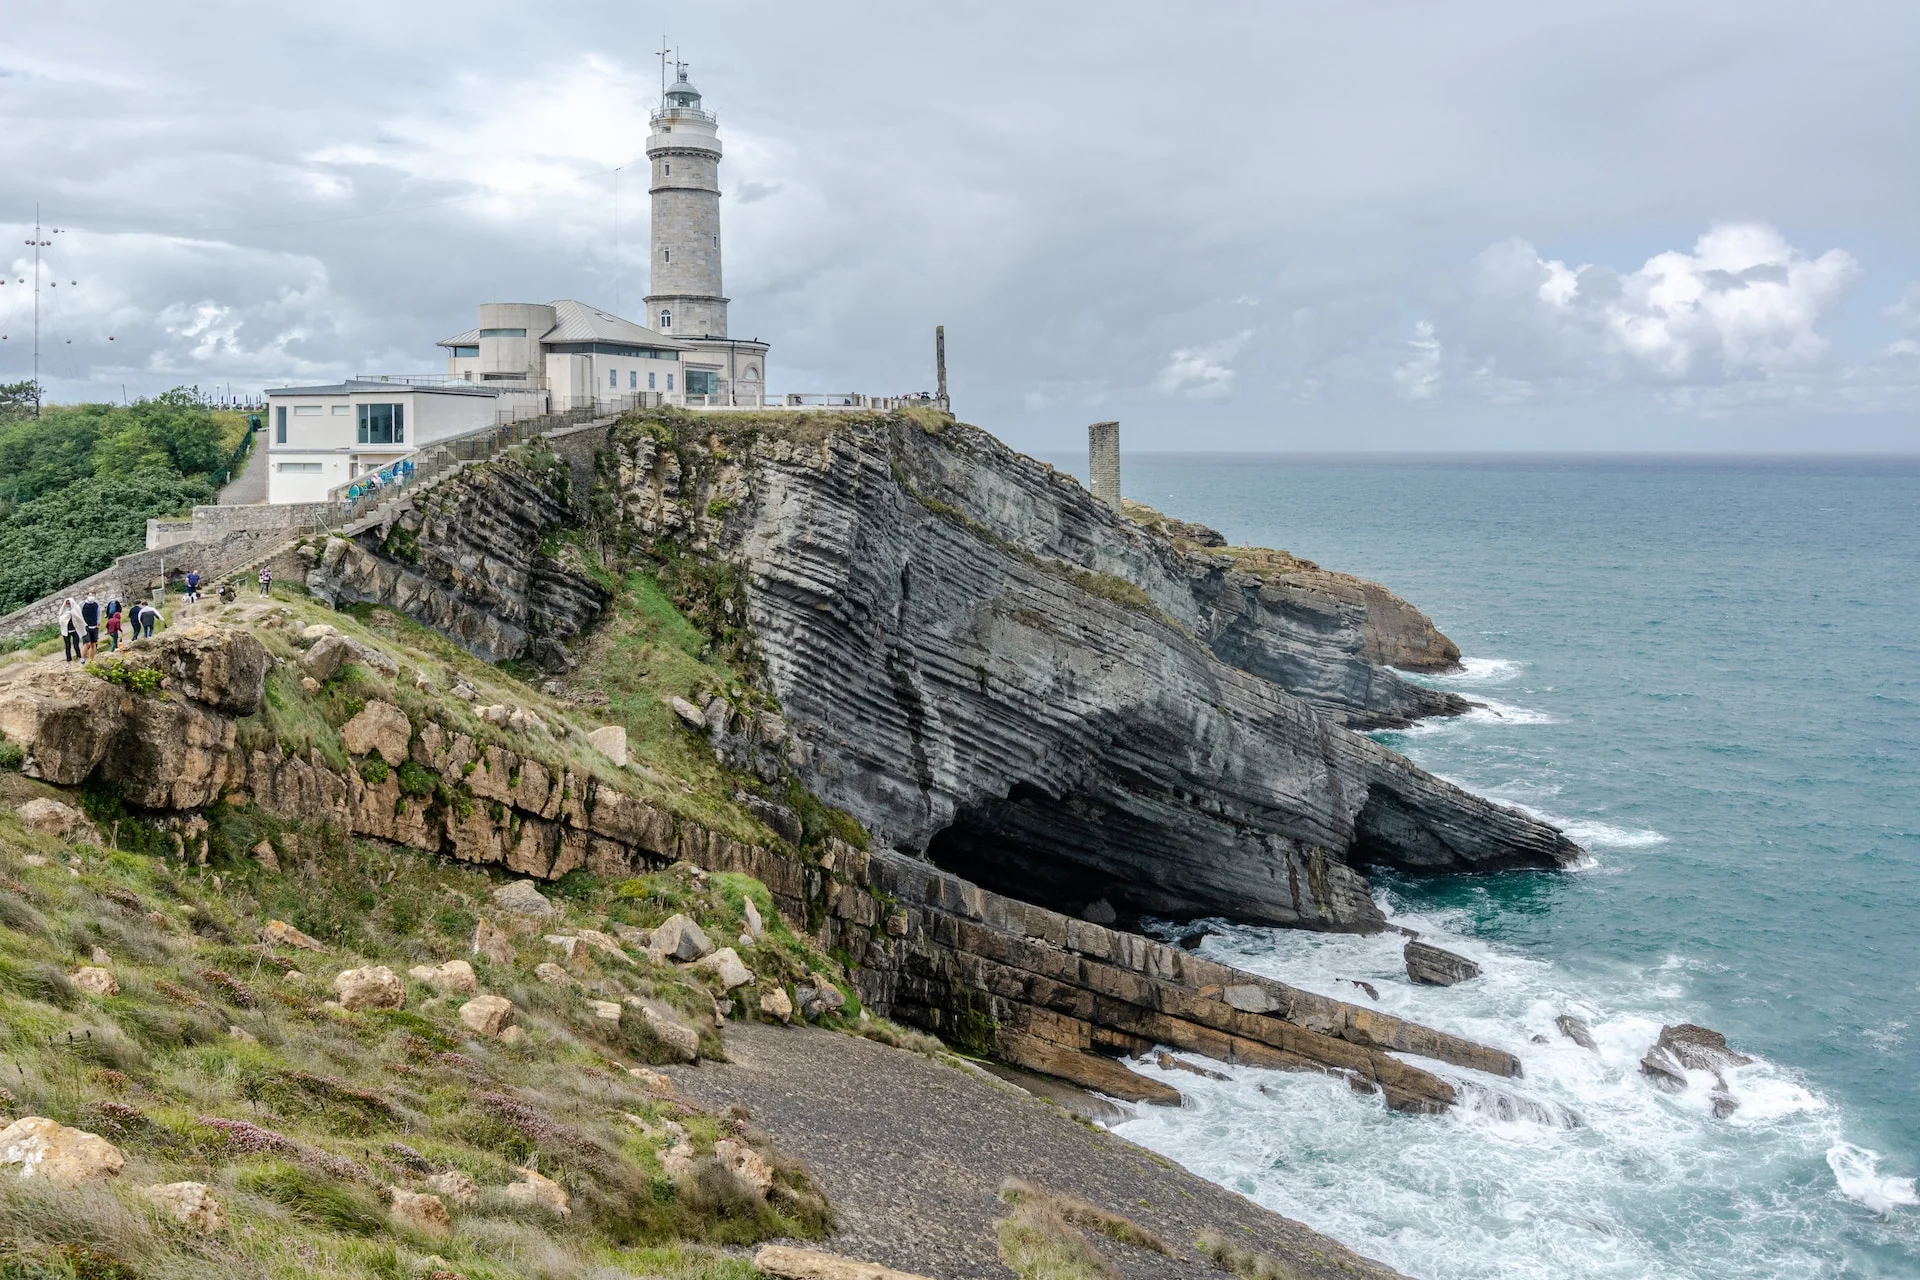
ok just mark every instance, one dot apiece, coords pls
pixel 82 622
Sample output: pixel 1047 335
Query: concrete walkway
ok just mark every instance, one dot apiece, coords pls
pixel 250 486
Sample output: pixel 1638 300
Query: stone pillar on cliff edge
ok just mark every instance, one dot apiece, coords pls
pixel 1103 462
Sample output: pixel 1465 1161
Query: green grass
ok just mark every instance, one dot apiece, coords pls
pixel 319 1108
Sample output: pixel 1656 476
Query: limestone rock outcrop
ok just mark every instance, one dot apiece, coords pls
pixel 371 987
pixel 1436 966
pixel 487 1015
pixel 36 1147
pixel 785 1262
pixel 191 1204
pixel 982 663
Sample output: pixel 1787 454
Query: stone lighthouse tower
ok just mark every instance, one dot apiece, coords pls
pixel 687 301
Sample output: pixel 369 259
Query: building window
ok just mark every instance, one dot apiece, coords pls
pixel 383 424
pixel 703 382
pixel 669 382
pixel 306 411
pixel 502 333
pixel 280 424
pixel 613 379
pixel 667 165
pixel 343 411
pixel 649 382
pixel 304 468
pixel 716 239
pixel 633 379
pixel 468 353
pixel 666 255
pixel 751 373
pixel 666 319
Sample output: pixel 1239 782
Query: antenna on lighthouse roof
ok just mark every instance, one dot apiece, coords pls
pixel 664 51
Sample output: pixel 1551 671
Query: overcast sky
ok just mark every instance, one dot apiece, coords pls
pixel 1594 224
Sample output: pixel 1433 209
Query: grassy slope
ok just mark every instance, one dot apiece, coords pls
pixel 149 1067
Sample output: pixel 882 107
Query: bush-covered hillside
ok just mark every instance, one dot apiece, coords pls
pixel 79 482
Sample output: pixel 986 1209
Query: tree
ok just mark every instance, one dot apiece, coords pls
pixel 71 533
pixel 18 399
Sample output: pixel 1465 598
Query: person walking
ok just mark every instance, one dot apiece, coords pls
pixel 70 627
pixel 266 579
pixel 112 626
pixel 193 584
pixel 90 621
pixel 147 618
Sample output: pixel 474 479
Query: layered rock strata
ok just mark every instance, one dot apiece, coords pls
pixel 987 666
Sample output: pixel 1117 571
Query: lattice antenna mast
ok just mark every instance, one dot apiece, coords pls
pixel 38 244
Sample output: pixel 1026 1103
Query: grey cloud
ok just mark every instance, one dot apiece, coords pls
pixel 1089 208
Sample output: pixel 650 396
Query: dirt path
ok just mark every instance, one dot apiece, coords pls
pixel 911 1152
pixel 250 486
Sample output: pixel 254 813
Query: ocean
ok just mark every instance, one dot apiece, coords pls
pixel 1706 671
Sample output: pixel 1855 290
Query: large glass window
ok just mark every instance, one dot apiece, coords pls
pixel 383 424
pixel 650 382
pixel 280 424
pixel 666 319
pixel 468 353
pixel 502 333
pixel 633 379
pixel 613 379
pixel 703 382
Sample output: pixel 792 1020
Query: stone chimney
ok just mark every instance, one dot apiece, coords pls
pixel 1103 462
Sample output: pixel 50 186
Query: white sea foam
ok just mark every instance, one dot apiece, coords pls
pixel 1857 1171
pixel 1483 671
pixel 1590 834
pixel 1578 1168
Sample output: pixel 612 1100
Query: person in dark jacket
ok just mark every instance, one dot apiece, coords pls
pixel 90 620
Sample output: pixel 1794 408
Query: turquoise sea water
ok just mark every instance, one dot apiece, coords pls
pixel 1707 671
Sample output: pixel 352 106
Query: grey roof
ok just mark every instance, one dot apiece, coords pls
pixel 349 388
pixel 578 322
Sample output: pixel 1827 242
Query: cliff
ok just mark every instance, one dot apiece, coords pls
pixel 987 667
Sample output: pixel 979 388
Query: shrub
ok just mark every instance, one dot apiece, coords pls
pixel 374 771
pixel 135 679
pixel 12 756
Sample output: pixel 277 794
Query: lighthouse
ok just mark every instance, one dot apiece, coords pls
pixel 687 299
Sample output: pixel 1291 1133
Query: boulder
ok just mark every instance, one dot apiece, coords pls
pixel 309 686
pixel 540 1192
pixel 605 1010
pixel 450 977
pixel 776 1003
pixel 43 1148
pixel 314 633
pixel 263 853
pixel 689 714
pixel 191 1204
pixel 279 933
pixel 1099 912
pixel 1575 1030
pixel 755 926
pixel 380 727
pixel 324 660
pixel 820 997
pixel 651 1079
pixel 637 938
pixel 425 1213
pixel 553 975
pixel 1664 1071
pixel 454 1188
pixel 745 1164
pixel 610 741
pixel 1724 1104
pixel 522 897
pixel 222 667
pixel 1435 967
pixel 604 945
pixel 65 718
pixel 96 981
pixel 725 964
pixel 490 941
pixel 372 987
pixel 487 1015
pixel 374 659
pixel 784 1262
pixel 50 817
pixel 570 946
pixel 495 713
pixel 1700 1049
pixel 680 939
pixel 679 1039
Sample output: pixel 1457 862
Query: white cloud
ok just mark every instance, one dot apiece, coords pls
pixel 1419 377
pixel 1203 373
pixel 1744 305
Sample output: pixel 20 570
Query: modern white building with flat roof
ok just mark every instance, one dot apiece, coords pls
pixel 319 438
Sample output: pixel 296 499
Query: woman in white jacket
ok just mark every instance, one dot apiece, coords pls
pixel 70 627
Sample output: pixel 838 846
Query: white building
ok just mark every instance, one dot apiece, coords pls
pixel 319 438
pixel 579 355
